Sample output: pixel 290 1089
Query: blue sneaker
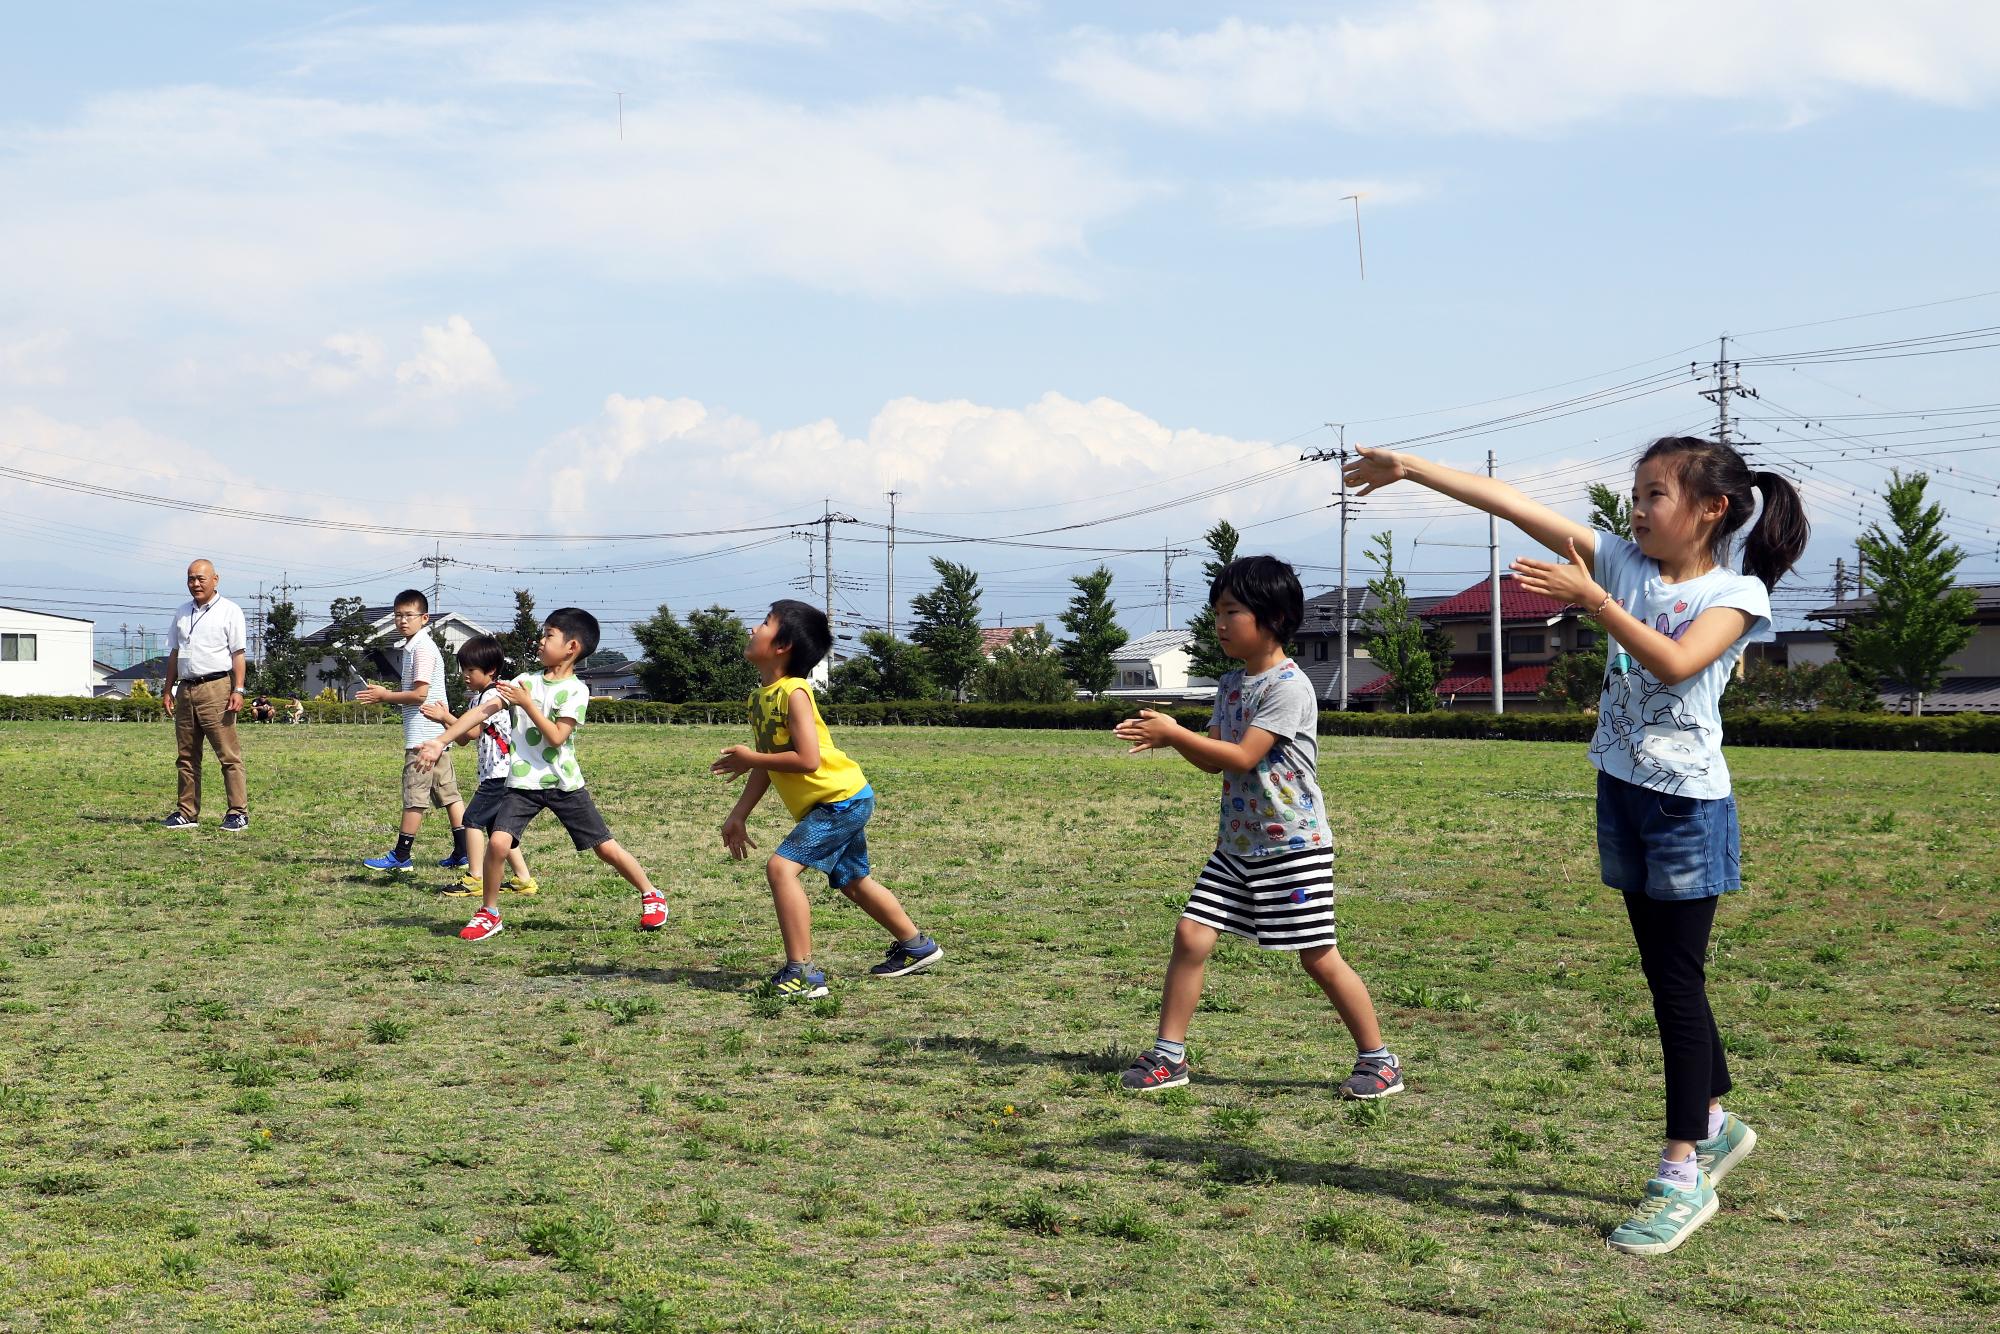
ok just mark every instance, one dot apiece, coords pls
pixel 1666 1217
pixel 453 862
pixel 1720 1152
pixel 389 861
pixel 903 959
pixel 235 822
pixel 799 981
pixel 178 821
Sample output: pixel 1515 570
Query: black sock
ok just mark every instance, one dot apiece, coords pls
pixel 458 840
pixel 404 842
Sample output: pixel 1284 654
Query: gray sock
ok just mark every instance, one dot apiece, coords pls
pixel 1173 1051
pixel 1380 1054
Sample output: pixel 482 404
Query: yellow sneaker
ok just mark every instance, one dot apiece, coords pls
pixel 521 886
pixel 467 885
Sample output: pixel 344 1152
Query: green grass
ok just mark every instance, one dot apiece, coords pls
pixel 245 1084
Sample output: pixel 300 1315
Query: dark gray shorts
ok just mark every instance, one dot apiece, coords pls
pixel 485 805
pixel 575 810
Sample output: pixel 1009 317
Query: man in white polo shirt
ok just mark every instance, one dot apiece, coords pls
pixel 204 693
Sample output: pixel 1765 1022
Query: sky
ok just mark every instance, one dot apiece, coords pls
pixel 1074 282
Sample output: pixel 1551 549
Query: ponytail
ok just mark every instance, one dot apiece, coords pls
pixel 1708 469
pixel 1779 539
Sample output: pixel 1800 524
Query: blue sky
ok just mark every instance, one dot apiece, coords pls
pixel 393 263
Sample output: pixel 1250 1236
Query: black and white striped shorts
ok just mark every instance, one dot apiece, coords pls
pixel 1283 902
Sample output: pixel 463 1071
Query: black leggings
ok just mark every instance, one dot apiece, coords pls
pixel 1673 946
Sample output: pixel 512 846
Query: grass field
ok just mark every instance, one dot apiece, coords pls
pixel 245 1084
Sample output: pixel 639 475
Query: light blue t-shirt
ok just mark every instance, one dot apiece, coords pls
pixel 1668 738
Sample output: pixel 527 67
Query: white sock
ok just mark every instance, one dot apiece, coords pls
pixel 1683 1174
pixel 1716 1118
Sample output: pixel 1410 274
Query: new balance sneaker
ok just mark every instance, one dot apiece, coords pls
pixel 1154 1071
pixel 464 887
pixel 903 959
pixel 1666 1217
pixel 482 925
pixel 235 822
pixel 1374 1077
pixel 454 862
pixel 652 910
pixel 178 821
pixel 1718 1153
pixel 389 861
pixel 799 981
pixel 520 884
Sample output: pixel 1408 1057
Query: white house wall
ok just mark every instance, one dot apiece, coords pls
pixel 63 655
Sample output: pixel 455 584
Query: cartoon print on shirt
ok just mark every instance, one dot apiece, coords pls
pixel 1660 736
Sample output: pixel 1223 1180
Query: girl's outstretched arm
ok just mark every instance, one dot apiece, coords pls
pixel 1377 468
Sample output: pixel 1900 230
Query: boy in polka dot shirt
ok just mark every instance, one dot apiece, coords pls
pixel 546 708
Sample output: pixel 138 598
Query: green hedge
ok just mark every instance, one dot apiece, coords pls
pixel 1845 731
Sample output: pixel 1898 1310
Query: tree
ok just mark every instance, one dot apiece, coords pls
pixel 1609 511
pixel 1095 635
pixel 947 627
pixel 606 657
pixel 1205 655
pixel 886 669
pixel 701 660
pixel 1920 618
pixel 1444 653
pixel 1026 669
pixel 1800 689
pixel 521 638
pixel 283 670
pixel 1396 637
pixel 348 641
pixel 1577 678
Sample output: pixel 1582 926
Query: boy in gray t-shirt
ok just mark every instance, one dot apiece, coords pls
pixel 1270 878
pixel 422 681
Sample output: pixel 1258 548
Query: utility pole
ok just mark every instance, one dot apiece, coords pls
pixel 1727 386
pixel 1360 260
pixel 1840 579
pixel 826 533
pixel 437 560
pixel 1340 456
pixel 257 637
pixel 1167 584
pixel 1493 594
pixel 892 564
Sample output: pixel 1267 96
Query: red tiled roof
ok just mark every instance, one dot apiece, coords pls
pixel 1517 681
pixel 995 637
pixel 1516 603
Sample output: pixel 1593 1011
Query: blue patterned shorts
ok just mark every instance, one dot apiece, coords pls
pixel 833 838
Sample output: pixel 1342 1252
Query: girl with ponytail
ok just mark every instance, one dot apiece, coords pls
pixel 1667 840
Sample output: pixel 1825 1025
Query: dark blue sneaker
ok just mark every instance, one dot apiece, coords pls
pixel 178 821
pixel 1153 1072
pixel 903 958
pixel 235 822
pixel 799 981
pixel 389 861
pixel 454 862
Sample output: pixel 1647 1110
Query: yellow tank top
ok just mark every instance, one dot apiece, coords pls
pixel 837 777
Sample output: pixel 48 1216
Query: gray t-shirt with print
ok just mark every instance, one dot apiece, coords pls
pixel 1276 807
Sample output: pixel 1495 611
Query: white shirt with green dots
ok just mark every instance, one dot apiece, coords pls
pixel 539 766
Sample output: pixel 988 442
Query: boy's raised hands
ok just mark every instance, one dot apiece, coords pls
pixel 1148 731
pixel 436 711
pixel 429 754
pixel 735 760
pixel 513 692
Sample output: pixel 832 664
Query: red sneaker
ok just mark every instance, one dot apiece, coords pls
pixel 652 910
pixel 484 923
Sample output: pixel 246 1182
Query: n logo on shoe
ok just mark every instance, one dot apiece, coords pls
pixel 1680 1213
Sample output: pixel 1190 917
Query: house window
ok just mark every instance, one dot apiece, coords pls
pixel 1485 644
pixel 1319 650
pixel 17 648
pixel 1586 638
pixel 1522 641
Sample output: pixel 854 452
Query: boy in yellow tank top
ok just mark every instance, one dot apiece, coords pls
pixel 825 792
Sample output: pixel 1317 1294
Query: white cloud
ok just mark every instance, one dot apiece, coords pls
pixel 35 359
pixel 244 202
pixel 1527 66
pixel 341 362
pixel 1311 203
pixel 452 360
pixel 953 460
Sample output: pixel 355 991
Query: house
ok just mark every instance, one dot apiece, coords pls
pixel 100 677
pixel 1972 681
pixel 153 671
pixel 384 649
pixel 1535 630
pixel 42 653
pixel 1319 640
pixel 993 638
pixel 613 681
pixel 1158 666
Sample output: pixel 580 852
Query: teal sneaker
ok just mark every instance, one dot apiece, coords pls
pixel 1667 1217
pixel 1718 1153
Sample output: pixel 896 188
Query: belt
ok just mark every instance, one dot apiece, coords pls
pixel 203 680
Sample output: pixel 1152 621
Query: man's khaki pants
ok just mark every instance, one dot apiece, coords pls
pixel 198 714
